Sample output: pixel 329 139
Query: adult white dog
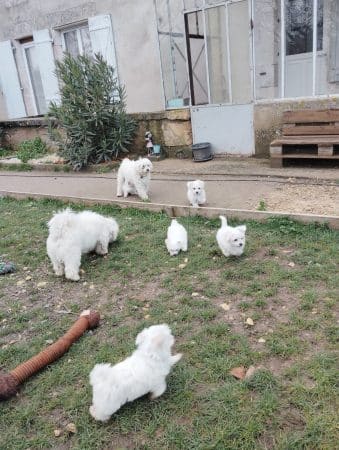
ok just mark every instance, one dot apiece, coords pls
pixel 141 373
pixel 231 240
pixel 134 177
pixel 72 234
pixel 196 193
pixel 176 238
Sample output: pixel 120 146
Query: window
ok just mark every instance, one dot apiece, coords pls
pixel 76 41
pixel 299 26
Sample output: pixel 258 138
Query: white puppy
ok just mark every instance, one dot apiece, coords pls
pixel 196 193
pixel 72 234
pixel 141 373
pixel 176 238
pixel 134 177
pixel 231 240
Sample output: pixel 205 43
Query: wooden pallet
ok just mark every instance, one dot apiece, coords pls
pixel 305 128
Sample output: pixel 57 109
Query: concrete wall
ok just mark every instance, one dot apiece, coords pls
pixel 135 35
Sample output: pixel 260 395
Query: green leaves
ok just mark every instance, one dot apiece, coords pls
pixel 92 124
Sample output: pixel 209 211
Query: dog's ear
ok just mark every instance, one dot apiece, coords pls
pixel 140 338
pixel 242 228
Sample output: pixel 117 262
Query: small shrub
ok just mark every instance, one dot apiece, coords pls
pixel 262 206
pixel 31 149
pixel 93 126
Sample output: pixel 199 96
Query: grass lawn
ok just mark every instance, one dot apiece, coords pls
pixel 286 282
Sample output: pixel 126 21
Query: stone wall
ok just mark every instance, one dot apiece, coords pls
pixel 171 129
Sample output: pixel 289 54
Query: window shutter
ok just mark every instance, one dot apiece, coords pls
pixel 45 58
pixel 10 83
pixel 333 73
pixel 101 33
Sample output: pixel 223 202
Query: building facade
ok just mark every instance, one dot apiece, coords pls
pixel 235 65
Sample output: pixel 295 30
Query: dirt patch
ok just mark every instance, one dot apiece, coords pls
pixel 303 198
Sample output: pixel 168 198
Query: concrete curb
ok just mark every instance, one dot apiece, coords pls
pixel 181 210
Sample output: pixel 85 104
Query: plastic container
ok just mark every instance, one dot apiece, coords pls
pixel 156 149
pixel 202 152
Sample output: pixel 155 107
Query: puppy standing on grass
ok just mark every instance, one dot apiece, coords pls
pixel 176 238
pixel 72 234
pixel 231 240
pixel 141 373
pixel 196 193
pixel 134 178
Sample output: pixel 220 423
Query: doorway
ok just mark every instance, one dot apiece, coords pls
pixel 301 39
pixel 218 41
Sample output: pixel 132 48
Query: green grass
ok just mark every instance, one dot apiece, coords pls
pixel 288 404
pixel 31 149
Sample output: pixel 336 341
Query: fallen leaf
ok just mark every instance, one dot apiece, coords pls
pixel 42 284
pixel 91 286
pixel 249 372
pixel 49 341
pixel 57 432
pixel 225 306
pixel 25 268
pixel 249 321
pixel 20 282
pixel 28 278
pixel 182 266
pixel 71 428
pixel 147 316
pixel 195 294
pixel 261 340
pixel 186 260
pixel 238 372
pixel 291 264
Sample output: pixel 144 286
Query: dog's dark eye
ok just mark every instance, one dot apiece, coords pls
pixel 235 240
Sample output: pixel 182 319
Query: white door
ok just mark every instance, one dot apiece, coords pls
pixel 219 64
pixel 299 24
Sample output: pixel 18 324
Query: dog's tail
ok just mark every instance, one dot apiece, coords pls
pixel 223 221
pixel 60 222
pixel 99 373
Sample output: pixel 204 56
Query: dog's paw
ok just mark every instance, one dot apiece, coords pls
pixel 73 277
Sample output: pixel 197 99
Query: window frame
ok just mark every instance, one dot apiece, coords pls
pixel 75 27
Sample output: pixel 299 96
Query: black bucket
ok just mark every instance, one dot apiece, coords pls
pixel 202 152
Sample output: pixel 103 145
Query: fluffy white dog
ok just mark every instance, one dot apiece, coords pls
pixel 141 373
pixel 176 238
pixel 231 240
pixel 134 177
pixel 196 193
pixel 72 234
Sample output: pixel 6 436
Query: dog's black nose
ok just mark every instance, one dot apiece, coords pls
pixel 240 244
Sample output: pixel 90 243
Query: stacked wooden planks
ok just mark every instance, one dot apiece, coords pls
pixel 311 134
